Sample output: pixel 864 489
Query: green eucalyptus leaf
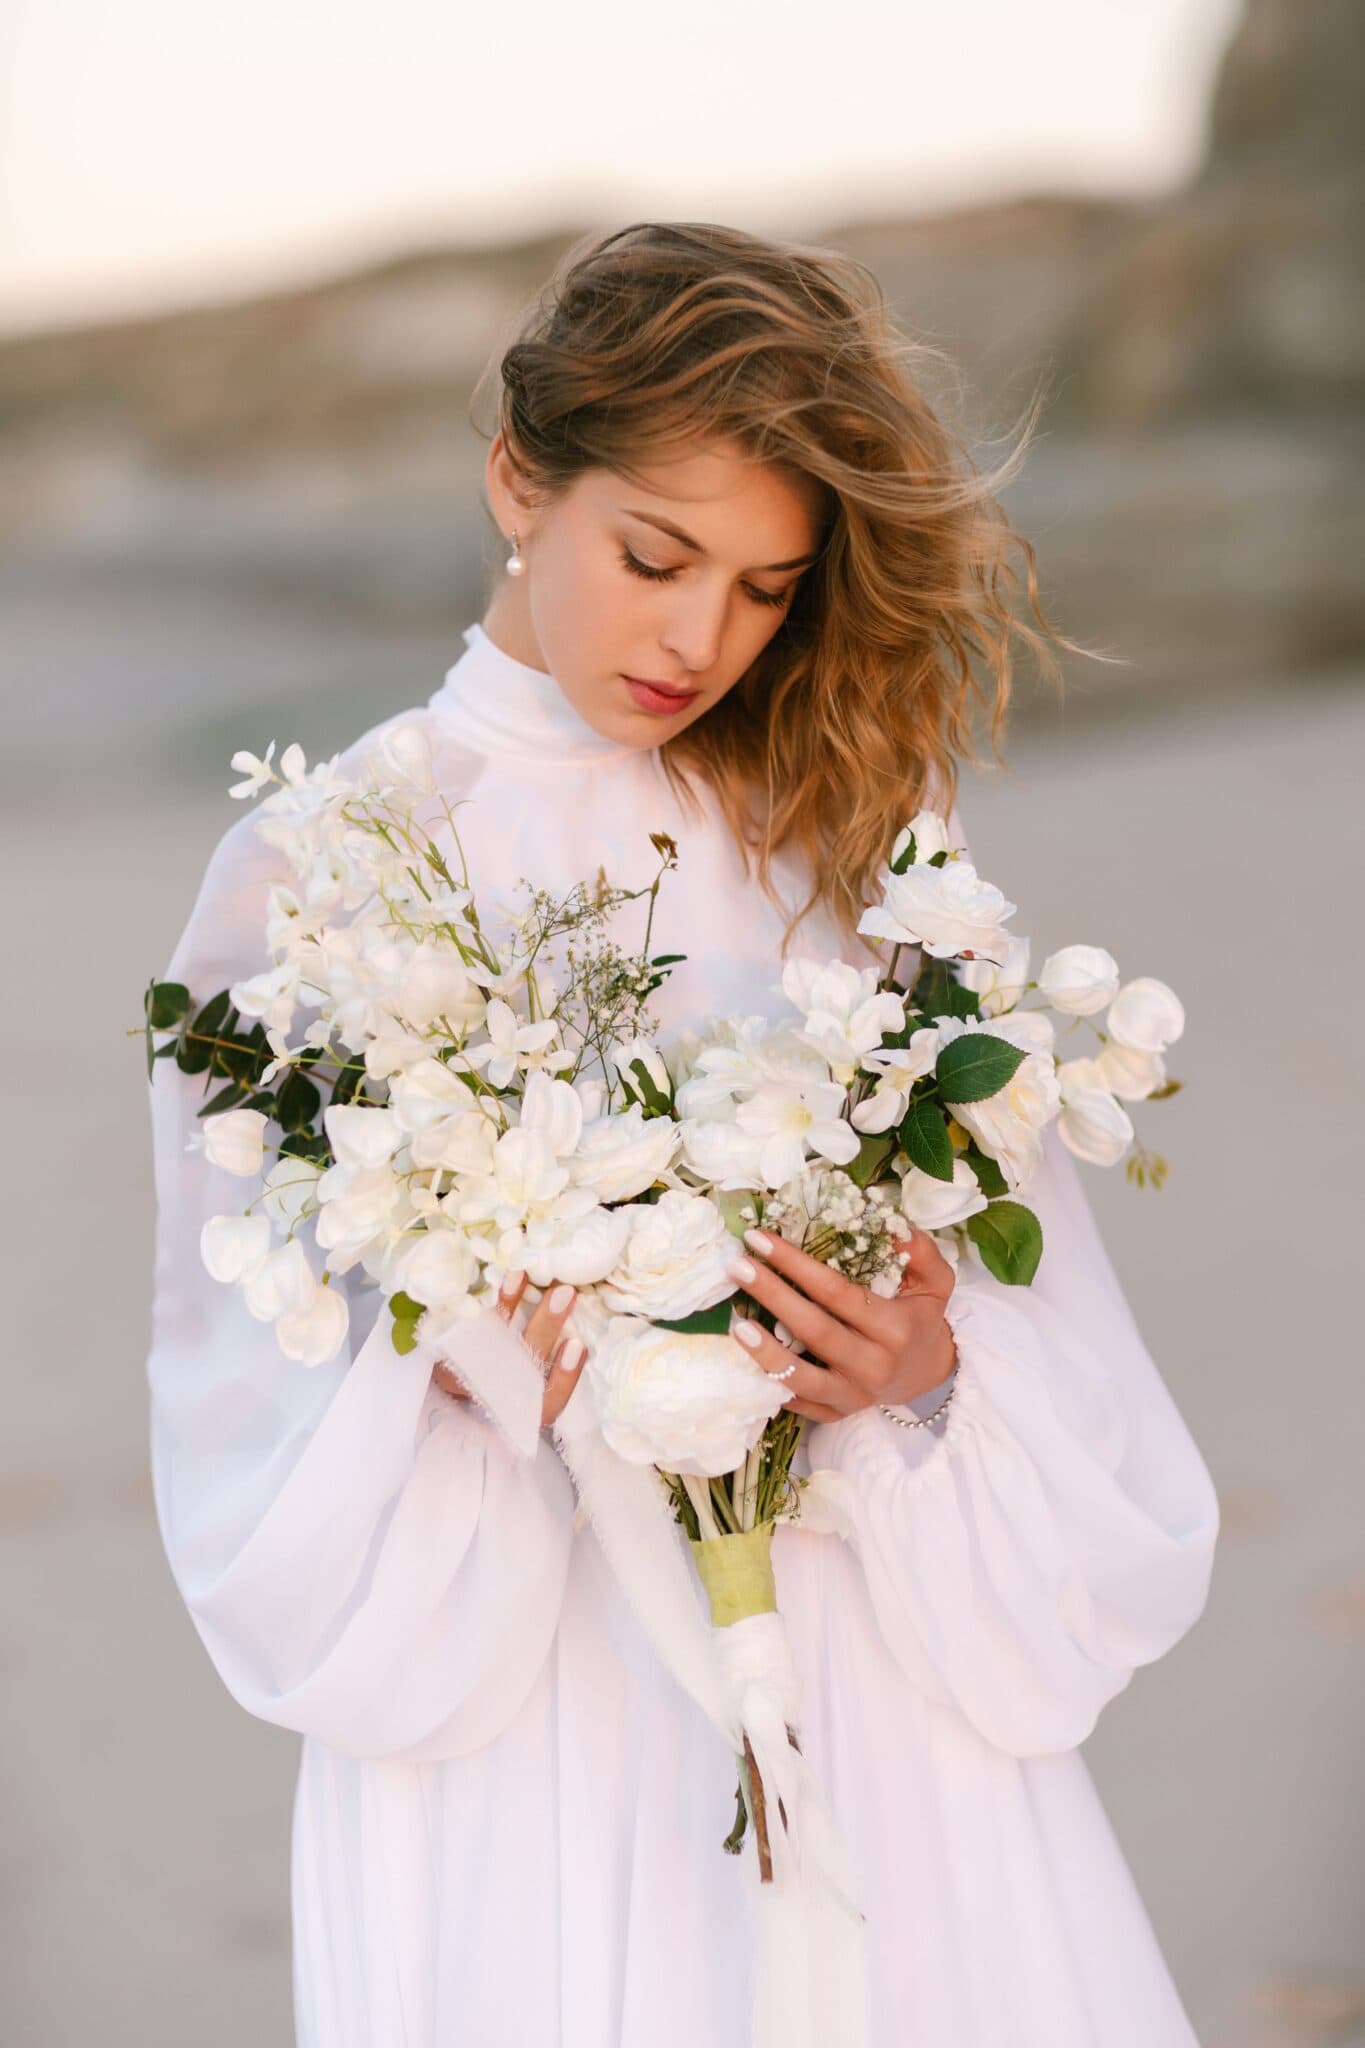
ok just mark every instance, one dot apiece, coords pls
pixel 297 1102
pixel 976 1066
pixel 1009 1238
pixel 166 1004
pixel 226 1098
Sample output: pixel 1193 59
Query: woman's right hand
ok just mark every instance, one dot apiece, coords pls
pixel 543 1335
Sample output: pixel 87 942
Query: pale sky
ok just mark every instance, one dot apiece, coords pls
pixel 155 152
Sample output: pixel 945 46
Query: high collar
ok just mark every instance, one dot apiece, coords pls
pixel 501 706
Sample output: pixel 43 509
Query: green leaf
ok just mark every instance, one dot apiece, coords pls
pixel 307 1145
pixel 406 1314
pixel 165 1004
pixel 991 1180
pixel 939 993
pixel 243 1058
pixel 924 1134
pixel 976 1066
pixel 226 1098
pixel 713 1321
pixel 298 1101
pixel 667 959
pixel 906 857
pixel 874 1150
pixel 1009 1238
pixel 194 1055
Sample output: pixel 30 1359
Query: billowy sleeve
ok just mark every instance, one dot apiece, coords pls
pixel 1057 1529
pixel 366 1560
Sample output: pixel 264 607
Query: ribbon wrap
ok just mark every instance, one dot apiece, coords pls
pixel 809 1985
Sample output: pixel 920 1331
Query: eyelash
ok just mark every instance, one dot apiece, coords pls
pixel 639 568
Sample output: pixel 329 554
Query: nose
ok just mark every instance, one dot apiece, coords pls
pixel 695 629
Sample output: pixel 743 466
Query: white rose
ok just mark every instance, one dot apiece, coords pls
pixel 676 1258
pixel 947 910
pixel 717 1150
pixel 620 1156
pixel 623 1056
pixel 1009 1125
pixel 313 1333
pixel 233 1246
pixel 930 834
pixel 1132 1076
pixel 1094 1127
pixel 935 1204
pixel 235 1140
pixel 1146 1016
pixel 998 986
pixel 694 1404
pixel 1080 979
pixel 578 1245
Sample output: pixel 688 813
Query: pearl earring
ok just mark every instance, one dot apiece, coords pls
pixel 516 561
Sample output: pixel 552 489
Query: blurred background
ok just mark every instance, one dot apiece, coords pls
pixel 251 264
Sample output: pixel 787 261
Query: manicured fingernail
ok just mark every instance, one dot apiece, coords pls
pixel 743 1269
pixel 559 1299
pixel 759 1241
pixel 512 1281
pixel 747 1333
pixel 573 1354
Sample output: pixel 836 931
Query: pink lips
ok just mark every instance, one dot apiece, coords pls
pixel 660 698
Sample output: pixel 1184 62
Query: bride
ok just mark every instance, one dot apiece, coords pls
pixel 755 592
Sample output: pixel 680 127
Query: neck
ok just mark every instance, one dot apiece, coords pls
pixel 507 622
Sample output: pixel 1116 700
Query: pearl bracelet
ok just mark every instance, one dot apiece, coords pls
pixel 918 1421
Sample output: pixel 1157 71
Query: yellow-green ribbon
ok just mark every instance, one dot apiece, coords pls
pixel 737 1572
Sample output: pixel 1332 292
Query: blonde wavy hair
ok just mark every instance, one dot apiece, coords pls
pixel 867 698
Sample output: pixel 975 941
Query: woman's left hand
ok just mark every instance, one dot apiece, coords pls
pixel 864 1348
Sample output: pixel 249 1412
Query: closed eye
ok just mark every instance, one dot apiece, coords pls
pixel 653 575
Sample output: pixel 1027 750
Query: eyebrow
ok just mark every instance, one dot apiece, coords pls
pixel 667 526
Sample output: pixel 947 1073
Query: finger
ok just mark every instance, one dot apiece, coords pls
pixel 510 1293
pixel 566 1368
pixel 819 1282
pixel 805 1378
pixel 926 1271
pixel 446 1380
pixel 548 1318
pixel 833 1342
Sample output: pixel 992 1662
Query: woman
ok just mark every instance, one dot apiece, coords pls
pixel 754 585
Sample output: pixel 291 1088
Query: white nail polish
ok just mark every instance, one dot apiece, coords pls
pixel 743 1269
pixel 559 1298
pixel 573 1354
pixel 512 1281
pixel 747 1333
pixel 758 1240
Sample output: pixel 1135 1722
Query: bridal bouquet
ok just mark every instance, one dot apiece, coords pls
pixel 432 1091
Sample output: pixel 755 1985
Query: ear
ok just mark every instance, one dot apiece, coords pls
pixel 508 492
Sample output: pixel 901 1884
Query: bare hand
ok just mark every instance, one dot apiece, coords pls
pixel 542 1334
pixel 865 1348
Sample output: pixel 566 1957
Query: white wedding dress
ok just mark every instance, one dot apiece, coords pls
pixel 508 1821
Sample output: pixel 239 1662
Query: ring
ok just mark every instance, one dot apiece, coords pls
pixel 787 1373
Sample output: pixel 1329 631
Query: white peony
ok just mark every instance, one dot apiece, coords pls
pixel 313 1332
pixel 948 910
pixel 1146 1016
pixel 576 1240
pixel 1079 979
pixel 437 1267
pixel 235 1140
pixel 233 1246
pixel 694 1404
pixel 934 1204
pixel 620 1156
pixel 717 1150
pixel 676 1258
pixel 1009 1125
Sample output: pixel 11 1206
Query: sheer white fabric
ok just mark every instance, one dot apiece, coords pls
pixel 508 1819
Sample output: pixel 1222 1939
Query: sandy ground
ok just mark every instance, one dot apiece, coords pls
pixel 145 1837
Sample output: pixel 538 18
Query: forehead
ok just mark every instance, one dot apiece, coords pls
pixel 717 492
